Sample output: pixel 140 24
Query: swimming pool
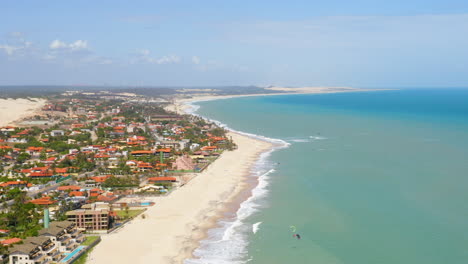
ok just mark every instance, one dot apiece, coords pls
pixel 72 254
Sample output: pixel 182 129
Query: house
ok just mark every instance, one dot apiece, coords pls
pixel 69 188
pixel 98 180
pixel 165 152
pixel 139 153
pixel 184 163
pixel 144 166
pixel 46 200
pixel 154 180
pixel 34 151
pixel 113 163
pixel 177 145
pixel 57 133
pixel 10 241
pixel 194 146
pixel 209 148
pixel 42 174
pixel 77 194
pixel 7 130
pixel 39 172
pixel 95 192
pixel 17 139
pixel 107 197
pixel 50 161
pixel 14 184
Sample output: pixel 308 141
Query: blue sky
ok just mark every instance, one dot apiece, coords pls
pixel 204 43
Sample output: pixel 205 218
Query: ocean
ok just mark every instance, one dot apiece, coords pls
pixel 366 177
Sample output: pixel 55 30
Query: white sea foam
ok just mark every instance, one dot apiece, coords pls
pixel 317 138
pixel 299 140
pixel 256 227
pixel 227 243
pixel 304 140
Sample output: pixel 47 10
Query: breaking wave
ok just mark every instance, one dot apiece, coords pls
pixel 227 243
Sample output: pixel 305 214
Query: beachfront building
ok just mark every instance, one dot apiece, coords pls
pixel 49 247
pixel 34 250
pixel 65 235
pixel 93 217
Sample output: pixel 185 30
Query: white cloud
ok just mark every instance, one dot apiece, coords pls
pixel 74 46
pixel 144 56
pixel 196 60
pixel 79 45
pixel 144 52
pixel 9 50
pixel 16 44
pixel 167 59
pixel 57 44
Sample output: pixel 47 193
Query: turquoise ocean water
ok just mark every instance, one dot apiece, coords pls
pixel 371 177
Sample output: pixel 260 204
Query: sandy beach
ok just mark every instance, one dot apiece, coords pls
pixel 14 109
pixel 174 225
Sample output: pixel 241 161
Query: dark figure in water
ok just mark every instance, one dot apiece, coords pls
pixel 297 236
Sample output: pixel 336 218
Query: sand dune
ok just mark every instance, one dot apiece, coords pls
pixel 14 109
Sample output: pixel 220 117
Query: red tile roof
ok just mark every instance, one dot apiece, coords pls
pixel 76 193
pixel 138 152
pixel 46 200
pixel 158 179
pixel 10 183
pixel 10 241
pixel 41 174
pixel 101 179
pixel 69 187
pixel 165 150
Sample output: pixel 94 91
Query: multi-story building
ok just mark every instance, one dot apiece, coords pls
pixel 60 237
pixel 34 250
pixel 96 217
pixel 65 235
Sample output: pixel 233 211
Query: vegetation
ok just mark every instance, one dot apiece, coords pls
pixel 126 181
pixel 22 219
pixel 125 214
pixel 89 240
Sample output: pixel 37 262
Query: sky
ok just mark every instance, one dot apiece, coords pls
pixel 360 43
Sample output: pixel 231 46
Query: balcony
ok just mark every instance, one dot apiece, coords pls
pixel 72 246
pixel 75 232
pixel 64 239
pixel 80 238
pixel 56 255
pixel 38 258
pixel 49 248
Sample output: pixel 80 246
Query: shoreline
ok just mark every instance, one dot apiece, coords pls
pixel 180 105
pixel 193 219
pixel 176 224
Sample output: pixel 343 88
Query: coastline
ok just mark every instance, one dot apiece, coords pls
pixel 177 224
pixel 13 110
pixel 181 105
pixel 174 226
